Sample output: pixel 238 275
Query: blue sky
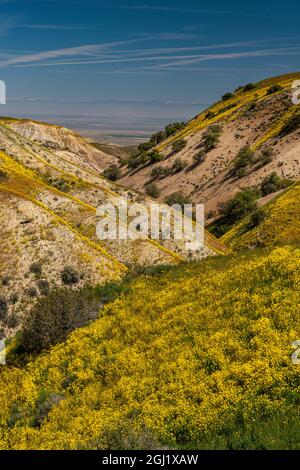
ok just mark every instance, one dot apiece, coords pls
pixel 160 59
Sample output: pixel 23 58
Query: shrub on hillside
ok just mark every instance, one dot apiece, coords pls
pixel 171 129
pixel 179 145
pixel 249 87
pixel 256 218
pixel 43 286
pixel 274 89
pixel 199 157
pixel 243 203
pixel 53 317
pixel 292 125
pixel 179 165
pixel 273 183
pixel 70 276
pixel 177 198
pixel 159 172
pixel 244 158
pixel 227 96
pixel 36 268
pixel 152 190
pixel 3 308
pixel 211 137
pixel 112 173
pixel 155 156
pixel 3 175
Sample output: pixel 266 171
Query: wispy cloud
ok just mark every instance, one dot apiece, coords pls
pixel 7 24
pixel 170 9
pixel 61 27
pixel 107 55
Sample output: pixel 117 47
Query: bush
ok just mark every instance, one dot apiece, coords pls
pixel 36 268
pixel 70 276
pixel 5 281
pixel 32 292
pixel 258 216
pixel 155 157
pixel 158 138
pixel 3 175
pixel 274 89
pixel 152 190
pixel 292 125
pixel 243 203
pixel 43 286
pixel 171 129
pixel 112 173
pixel 159 172
pixel 3 308
pixel 245 157
pixel 212 137
pixel 249 87
pixel 55 316
pixel 177 198
pixel 178 145
pixel 199 157
pixel 179 165
pixel 227 96
pixel 272 183
pixel 58 183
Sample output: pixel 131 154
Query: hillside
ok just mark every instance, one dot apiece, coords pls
pixel 280 225
pixel 202 160
pixel 50 187
pixel 197 357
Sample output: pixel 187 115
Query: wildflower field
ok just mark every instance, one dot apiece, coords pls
pixel 198 356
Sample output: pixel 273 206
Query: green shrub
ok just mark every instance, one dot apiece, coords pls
pixel 199 157
pixel 112 173
pixel 70 276
pixel 292 125
pixel 178 145
pixel 243 203
pixel 171 129
pixel 159 172
pixel 5 281
pixel 256 218
pixel 36 268
pixel 249 87
pixel 155 156
pixel 179 165
pixel 3 175
pixel 177 198
pixel 3 308
pixel 244 158
pixel 32 292
pixel 43 286
pixel 274 89
pixel 211 137
pixel 152 190
pixel 227 96
pixel 272 183
pixel 53 317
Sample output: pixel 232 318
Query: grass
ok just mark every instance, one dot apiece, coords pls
pixel 280 226
pixel 193 356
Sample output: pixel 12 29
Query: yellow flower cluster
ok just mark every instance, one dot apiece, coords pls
pixel 177 357
pixel 281 225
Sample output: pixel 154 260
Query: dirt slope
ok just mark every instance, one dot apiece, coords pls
pixel 253 118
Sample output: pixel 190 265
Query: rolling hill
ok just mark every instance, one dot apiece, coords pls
pixel 196 357
pixel 50 187
pixel 260 117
